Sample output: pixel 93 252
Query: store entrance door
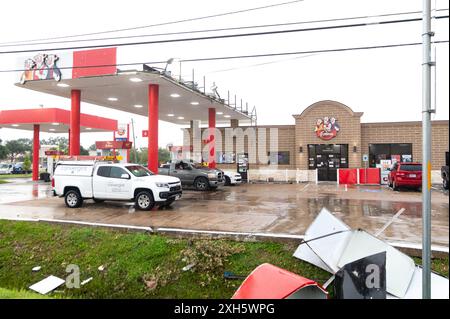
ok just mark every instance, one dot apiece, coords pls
pixel 327 166
pixel 327 158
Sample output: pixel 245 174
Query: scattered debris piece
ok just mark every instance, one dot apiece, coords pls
pixel 84 282
pixel 37 268
pixel 231 275
pixel 364 278
pixel 330 244
pixel 270 282
pixel 48 284
pixel 151 284
pixel 101 268
pixel 188 267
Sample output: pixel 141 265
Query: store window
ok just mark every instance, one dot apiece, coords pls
pixel 394 152
pixel 225 158
pixel 280 158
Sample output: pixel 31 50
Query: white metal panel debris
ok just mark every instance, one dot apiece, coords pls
pixel 48 284
pixel 320 248
pixel 399 267
pixel 330 244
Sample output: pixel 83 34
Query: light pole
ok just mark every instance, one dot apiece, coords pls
pixel 426 149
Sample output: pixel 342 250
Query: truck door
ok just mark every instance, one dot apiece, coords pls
pixel 180 170
pixel 119 185
pixel 100 180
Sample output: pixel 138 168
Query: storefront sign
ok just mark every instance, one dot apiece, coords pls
pixel 102 145
pixel 41 67
pixel 53 153
pixel 327 128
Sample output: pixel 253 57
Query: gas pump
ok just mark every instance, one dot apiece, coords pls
pixel 242 166
pixel 52 157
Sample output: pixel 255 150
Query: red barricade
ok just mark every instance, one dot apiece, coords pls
pixel 369 176
pixel 348 176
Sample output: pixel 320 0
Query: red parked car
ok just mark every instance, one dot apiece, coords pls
pixel 405 175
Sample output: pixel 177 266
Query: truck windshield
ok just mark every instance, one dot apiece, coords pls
pixel 139 171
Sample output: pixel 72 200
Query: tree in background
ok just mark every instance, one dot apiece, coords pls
pixel 163 155
pixel 61 142
pixel 142 155
pixel 3 151
pixel 17 147
pixel 27 163
pixel 83 151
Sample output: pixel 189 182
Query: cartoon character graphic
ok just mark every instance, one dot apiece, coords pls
pixel 334 124
pixel 28 75
pixel 53 70
pixel 327 128
pixel 319 125
pixel 41 70
pixel 41 67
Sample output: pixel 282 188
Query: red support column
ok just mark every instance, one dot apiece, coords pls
pixel 36 146
pixel 153 97
pixel 212 142
pixel 75 122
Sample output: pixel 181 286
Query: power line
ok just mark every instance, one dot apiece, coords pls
pixel 244 56
pixel 223 29
pixel 220 36
pixel 162 23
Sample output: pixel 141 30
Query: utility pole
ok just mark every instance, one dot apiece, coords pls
pixel 426 149
pixel 134 141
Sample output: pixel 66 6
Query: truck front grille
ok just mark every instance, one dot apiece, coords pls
pixel 175 188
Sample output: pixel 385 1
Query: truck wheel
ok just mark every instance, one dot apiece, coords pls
pixel 445 183
pixel 227 181
pixel 73 199
pixel 201 184
pixel 144 201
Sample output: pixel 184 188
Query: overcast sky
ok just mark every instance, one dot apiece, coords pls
pixel 385 84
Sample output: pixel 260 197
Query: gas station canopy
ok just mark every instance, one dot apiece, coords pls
pixel 128 91
pixel 93 76
pixel 53 120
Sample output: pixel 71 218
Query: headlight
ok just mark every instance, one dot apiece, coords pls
pixel 211 175
pixel 162 185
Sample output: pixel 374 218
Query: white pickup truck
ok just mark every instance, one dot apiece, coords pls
pixel 100 181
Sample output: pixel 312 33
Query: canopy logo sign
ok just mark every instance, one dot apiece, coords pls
pixel 121 133
pixel 327 128
pixel 41 67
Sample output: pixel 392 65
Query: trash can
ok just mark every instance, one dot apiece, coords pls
pixel 44 177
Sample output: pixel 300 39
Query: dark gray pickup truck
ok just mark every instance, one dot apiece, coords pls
pixel 192 173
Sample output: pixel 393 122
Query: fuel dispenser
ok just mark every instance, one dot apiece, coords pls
pixel 242 165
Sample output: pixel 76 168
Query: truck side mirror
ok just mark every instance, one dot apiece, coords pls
pixel 125 176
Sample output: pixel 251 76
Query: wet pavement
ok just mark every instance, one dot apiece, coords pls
pixel 266 208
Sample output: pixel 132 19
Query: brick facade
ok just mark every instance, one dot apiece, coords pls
pixel 352 132
pixel 409 132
